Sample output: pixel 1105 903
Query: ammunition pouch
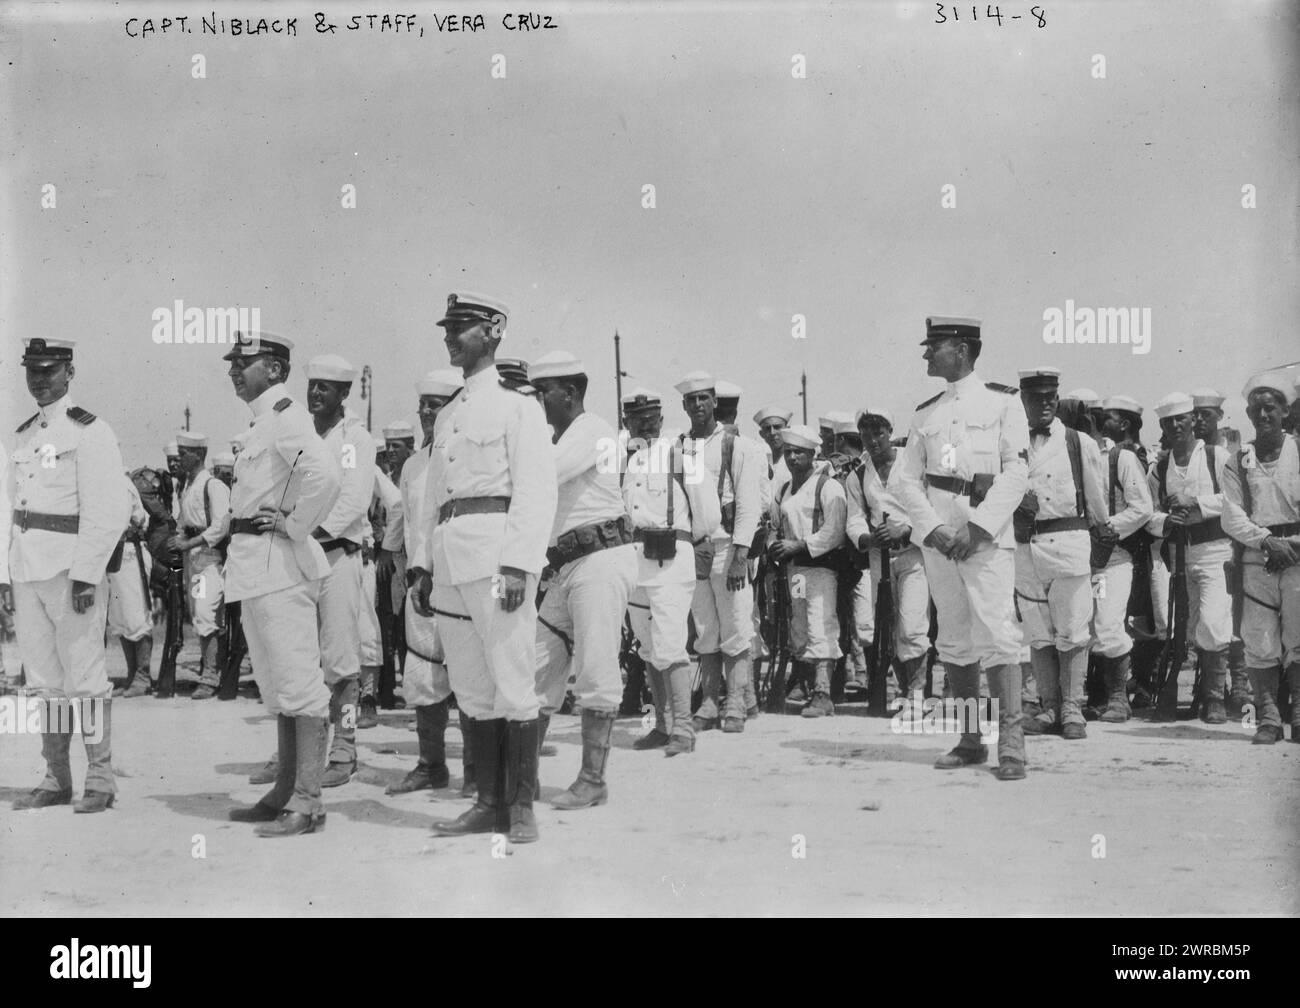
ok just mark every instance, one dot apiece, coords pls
pixel 586 539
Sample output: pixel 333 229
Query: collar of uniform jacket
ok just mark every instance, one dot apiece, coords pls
pixel 264 403
pixel 477 382
pixel 55 409
pixel 964 385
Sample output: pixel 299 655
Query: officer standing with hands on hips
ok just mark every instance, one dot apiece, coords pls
pixel 64 483
pixel 490 499
pixel 964 472
pixel 286 481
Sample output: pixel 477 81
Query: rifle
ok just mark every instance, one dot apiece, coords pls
pixel 175 600
pixel 235 649
pixel 882 646
pixel 779 646
pixel 1175 649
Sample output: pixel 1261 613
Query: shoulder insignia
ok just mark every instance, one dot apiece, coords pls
pixel 28 422
pixel 524 390
pixel 930 402
pixel 283 404
pixel 999 387
pixel 78 415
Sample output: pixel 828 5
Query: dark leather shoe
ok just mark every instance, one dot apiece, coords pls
pixel 337 774
pixel 256 813
pixel 1035 726
pixel 369 715
pixel 1074 731
pixel 267 775
pixel 819 706
pixel 704 724
pixel 962 757
pixel 523 825
pixel 1267 735
pixel 39 799
pixel 93 801
pixel 1214 712
pixel 751 713
pixel 733 725
pixel 292 824
pixel 421 779
pixel 479 819
pixel 679 744
pixel 203 692
pixel 134 690
pixel 654 739
pixel 1010 769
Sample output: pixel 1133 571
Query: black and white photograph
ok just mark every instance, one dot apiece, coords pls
pixel 645 459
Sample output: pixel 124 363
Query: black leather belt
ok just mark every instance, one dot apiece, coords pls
pixel 586 539
pixel 244 526
pixel 24 520
pixel 347 545
pixel 472 505
pixel 1206 531
pixel 1049 525
pixel 952 484
pixel 1284 530
pixel 638 535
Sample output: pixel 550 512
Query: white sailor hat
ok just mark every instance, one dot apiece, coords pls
pixel 331 367
pixel 773 412
pixel 641 399
pixel 250 344
pixel 41 352
pixel 1040 377
pixel 824 422
pixel 223 460
pixel 170 449
pixel 949 326
pixel 844 424
pixel 191 439
pixel 381 444
pixel 1089 398
pixel 399 431
pixel 800 436
pixel 1174 404
pixel 726 390
pixel 879 414
pixel 466 308
pixel 556 364
pixel 1279 381
pixel 442 382
pixel 1206 396
pixel 696 381
pixel 1122 402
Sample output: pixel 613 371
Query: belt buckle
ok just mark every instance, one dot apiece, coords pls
pixel 22 523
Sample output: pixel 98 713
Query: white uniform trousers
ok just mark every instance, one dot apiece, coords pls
pixel 1111 589
pixel 974 602
pixel 1056 610
pixel 660 606
pixel 425 681
pixel 580 624
pixel 129 612
pixel 814 622
pixel 338 616
pixel 61 649
pixel 1270 617
pixel 372 645
pixel 723 618
pixel 206 588
pixel 491 654
pixel 284 647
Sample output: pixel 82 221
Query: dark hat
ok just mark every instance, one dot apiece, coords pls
pixel 513 369
pixel 642 401
pixel 1040 378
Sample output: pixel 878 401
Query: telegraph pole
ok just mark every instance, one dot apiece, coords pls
pixel 619 375
pixel 803 394
pixel 367 393
pixel 187 416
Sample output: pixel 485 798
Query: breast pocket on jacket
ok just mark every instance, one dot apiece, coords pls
pixel 486 450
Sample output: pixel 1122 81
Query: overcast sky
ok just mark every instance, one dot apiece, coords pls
pixel 775 196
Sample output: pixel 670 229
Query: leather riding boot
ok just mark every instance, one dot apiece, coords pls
pixel 1047 675
pixel 96 719
pixel 589 789
pixel 128 652
pixel 1239 693
pixel 468 785
pixel 1293 687
pixel 521 779
pixel 271 804
pixel 56 746
pixel 430 771
pixel 344 708
pixel 711 686
pixel 679 690
pixel 1264 685
pixel 1214 674
pixel 658 735
pixel 303 813
pixel 737 670
pixel 913 671
pixel 1004 687
pixel 143 681
pixel 964 681
pixel 481 817
pixel 1116 671
pixel 209 672
pixel 819 704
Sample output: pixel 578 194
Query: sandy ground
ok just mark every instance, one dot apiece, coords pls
pixel 794 817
